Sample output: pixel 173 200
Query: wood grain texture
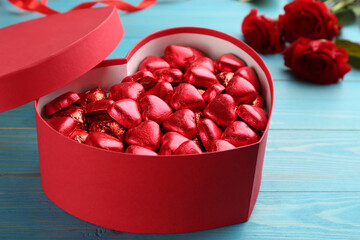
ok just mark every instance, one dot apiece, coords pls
pixel 294 160
pixel 224 15
pixel 25 209
pixel 310 188
pixel 298 105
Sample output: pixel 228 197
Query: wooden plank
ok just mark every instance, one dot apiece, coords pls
pixel 312 161
pixel 21 117
pixel 225 16
pixel 294 160
pixel 298 105
pixel 18 151
pixel 26 213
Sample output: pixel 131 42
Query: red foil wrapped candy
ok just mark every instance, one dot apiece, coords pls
pixel 95 94
pixel 221 110
pixel 79 135
pixel 126 112
pixel 221 145
pixel 188 147
pixel 183 122
pixel 64 125
pixel 170 142
pixel 105 141
pixel 98 107
pixel 152 63
pixel 147 135
pixel 154 108
pixel 249 74
pixel 134 149
pixel 229 63
pixel 168 75
pixel 163 90
pixel 241 90
pixel 200 76
pixel 61 102
pixel 239 134
pixel 132 90
pixel 212 92
pixel 179 56
pixel 186 96
pixel 209 132
pixel 254 116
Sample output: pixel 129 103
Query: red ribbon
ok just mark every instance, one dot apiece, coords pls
pixel 41 5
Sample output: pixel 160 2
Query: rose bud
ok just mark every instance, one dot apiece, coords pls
pixel 229 63
pixel 249 74
pixel 212 92
pixel 105 124
pixel 186 96
pixel 224 78
pixel 105 141
pixel 179 56
pixel 239 134
pixel 310 19
pixel 168 75
pixel 170 142
pixel 79 135
pixel 147 135
pixel 152 63
pixel 221 110
pixel 221 145
pixel 132 90
pixel 188 147
pixel 95 94
pixel 134 149
pixel 200 76
pixel 182 121
pixel 241 90
pixel 262 33
pixel 146 79
pixel 209 132
pixel 77 113
pixel 154 108
pixel 163 90
pixel 318 61
pixel 61 102
pixel 64 125
pixel 258 102
pixel 204 62
pixel 98 107
pixel 254 116
pixel 126 112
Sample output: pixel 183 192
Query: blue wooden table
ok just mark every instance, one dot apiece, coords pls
pixel 311 176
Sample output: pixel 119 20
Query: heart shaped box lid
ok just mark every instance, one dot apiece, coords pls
pixel 44 54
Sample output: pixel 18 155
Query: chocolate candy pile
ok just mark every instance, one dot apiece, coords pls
pixel 182 103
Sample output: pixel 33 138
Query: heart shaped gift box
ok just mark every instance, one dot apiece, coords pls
pixel 121 191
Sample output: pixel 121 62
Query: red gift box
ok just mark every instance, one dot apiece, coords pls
pixel 121 191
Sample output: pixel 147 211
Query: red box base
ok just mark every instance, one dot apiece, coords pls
pixel 153 194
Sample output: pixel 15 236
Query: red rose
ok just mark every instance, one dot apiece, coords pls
pixel 318 61
pixel 262 33
pixel 310 19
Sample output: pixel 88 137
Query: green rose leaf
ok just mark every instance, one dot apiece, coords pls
pixel 346 16
pixel 353 50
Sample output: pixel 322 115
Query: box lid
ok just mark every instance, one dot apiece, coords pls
pixel 44 54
